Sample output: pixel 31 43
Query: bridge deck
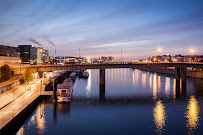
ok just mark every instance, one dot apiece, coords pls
pixel 42 68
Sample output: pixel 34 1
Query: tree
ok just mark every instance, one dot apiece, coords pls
pixel 27 74
pixel 6 73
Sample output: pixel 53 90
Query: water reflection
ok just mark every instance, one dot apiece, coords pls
pixel 20 131
pixel 89 84
pixel 64 108
pixel 40 119
pixel 55 111
pixel 144 80
pixel 174 88
pixel 159 116
pixel 192 115
pixel 167 85
pixel 150 81
pixel 159 84
pixel 154 86
pixel 135 77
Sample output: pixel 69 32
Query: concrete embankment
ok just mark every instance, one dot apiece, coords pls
pixel 12 119
pixel 193 74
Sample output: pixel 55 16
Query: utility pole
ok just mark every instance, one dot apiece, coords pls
pixel 79 52
pixel 121 54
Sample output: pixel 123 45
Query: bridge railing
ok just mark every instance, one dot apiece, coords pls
pixel 111 63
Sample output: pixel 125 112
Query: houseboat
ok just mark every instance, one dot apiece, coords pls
pixel 65 90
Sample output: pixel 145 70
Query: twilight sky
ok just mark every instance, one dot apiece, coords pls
pixel 103 27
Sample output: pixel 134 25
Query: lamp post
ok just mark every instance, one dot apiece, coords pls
pixel 192 54
pixel 121 54
pixel 20 66
pixel 159 50
pixel 192 51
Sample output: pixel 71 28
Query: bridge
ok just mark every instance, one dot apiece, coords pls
pixel 180 67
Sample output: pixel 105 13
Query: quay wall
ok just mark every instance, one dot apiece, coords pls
pixel 192 74
pixel 19 119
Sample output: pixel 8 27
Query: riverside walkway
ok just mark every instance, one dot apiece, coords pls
pixel 11 107
pixel 12 103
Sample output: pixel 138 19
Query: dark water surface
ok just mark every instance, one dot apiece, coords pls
pixel 132 102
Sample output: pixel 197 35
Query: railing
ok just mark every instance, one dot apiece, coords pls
pixel 8 85
pixel 108 63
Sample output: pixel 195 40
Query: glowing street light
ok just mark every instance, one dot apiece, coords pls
pixel 192 51
pixel 159 50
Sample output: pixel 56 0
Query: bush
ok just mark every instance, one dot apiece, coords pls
pixel 6 73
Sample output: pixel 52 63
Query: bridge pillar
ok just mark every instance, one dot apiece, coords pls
pixel 183 79
pixel 178 88
pixel 54 91
pixel 177 73
pixel 102 77
pixel 183 74
pixel 177 77
pixel 102 93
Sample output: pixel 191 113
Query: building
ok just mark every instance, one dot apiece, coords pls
pixel 166 58
pixel 28 54
pixel 33 55
pixel 154 58
pixel 9 55
pixel 193 58
pixel 103 58
pixel 110 58
pixel 178 58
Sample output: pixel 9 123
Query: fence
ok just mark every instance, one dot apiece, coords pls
pixel 8 85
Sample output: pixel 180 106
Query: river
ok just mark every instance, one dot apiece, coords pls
pixel 132 102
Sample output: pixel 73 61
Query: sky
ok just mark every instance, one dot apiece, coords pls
pixel 104 27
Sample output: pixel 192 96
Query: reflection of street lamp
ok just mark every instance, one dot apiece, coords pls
pixel 20 66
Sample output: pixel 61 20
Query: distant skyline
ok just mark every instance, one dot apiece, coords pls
pixel 103 27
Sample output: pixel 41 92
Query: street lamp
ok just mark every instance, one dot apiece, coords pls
pixel 20 66
pixel 192 51
pixel 159 50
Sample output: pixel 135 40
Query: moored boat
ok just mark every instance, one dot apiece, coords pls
pixel 80 74
pixel 85 74
pixel 72 75
pixel 64 91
